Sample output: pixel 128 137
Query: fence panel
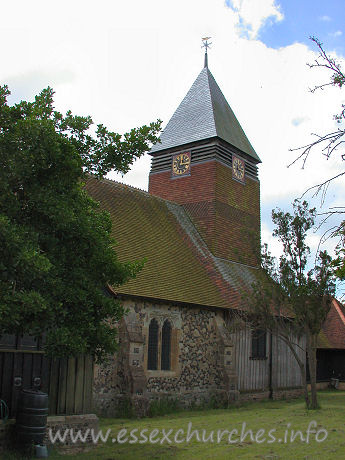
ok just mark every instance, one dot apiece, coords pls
pixel 24 365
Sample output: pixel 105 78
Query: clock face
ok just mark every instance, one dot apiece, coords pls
pixel 181 164
pixel 238 168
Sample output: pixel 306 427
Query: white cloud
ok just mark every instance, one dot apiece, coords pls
pixel 129 63
pixel 252 15
pixel 337 33
pixel 325 18
pixel 299 120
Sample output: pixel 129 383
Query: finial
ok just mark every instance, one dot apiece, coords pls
pixel 206 44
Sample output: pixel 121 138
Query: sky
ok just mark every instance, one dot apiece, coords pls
pixel 127 63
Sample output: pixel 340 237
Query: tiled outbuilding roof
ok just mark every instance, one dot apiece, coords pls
pixel 179 267
pixel 333 329
pixel 204 113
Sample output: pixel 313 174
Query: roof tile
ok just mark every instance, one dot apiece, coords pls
pixel 180 267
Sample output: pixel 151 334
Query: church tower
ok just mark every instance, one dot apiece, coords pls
pixel 206 163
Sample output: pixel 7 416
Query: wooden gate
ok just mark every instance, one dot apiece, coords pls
pixel 24 365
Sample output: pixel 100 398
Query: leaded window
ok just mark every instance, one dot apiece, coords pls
pixel 152 357
pixel 166 346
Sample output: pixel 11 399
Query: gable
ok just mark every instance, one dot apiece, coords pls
pixel 333 330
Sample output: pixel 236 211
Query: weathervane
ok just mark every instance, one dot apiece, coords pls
pixel 206 45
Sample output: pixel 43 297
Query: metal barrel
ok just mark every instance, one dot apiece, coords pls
pixel 32 415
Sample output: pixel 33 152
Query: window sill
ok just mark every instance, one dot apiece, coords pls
pixel 258 358
pixel 160 373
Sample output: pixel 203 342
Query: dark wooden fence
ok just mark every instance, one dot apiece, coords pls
pixel 24 365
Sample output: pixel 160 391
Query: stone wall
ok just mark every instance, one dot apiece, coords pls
pixel 279 393
pixel 198 355
pixel 202 366
pixel 288 393
pixel 253 395
pixel 111 378
pixel 72 422
pixel 208 363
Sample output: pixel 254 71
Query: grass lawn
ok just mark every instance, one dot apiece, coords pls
pixel 266 415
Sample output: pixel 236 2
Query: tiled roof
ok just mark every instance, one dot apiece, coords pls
pixel 204 113
pixel 179 266
pixel 333 329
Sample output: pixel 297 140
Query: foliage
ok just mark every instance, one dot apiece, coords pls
pixel 339 262
pixel 56 252
pixel 288 298
pixel 289 285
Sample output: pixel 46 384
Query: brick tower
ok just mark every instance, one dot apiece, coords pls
pixel 206 163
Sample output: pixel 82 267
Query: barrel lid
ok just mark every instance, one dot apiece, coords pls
pixel 33 391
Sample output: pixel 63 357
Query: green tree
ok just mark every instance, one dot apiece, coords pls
pixel 289 299
pixel 56 253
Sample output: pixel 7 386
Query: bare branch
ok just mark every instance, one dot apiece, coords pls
pixel 319 187
pixel 312 90
pixel 332 141
pixel 338 78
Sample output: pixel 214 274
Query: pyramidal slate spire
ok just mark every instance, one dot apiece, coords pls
pixel 204 113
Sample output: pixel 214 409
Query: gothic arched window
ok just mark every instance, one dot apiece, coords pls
pixel 166 346
pixel 152 356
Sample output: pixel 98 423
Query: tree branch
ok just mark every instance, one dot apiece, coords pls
pixel 319 187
